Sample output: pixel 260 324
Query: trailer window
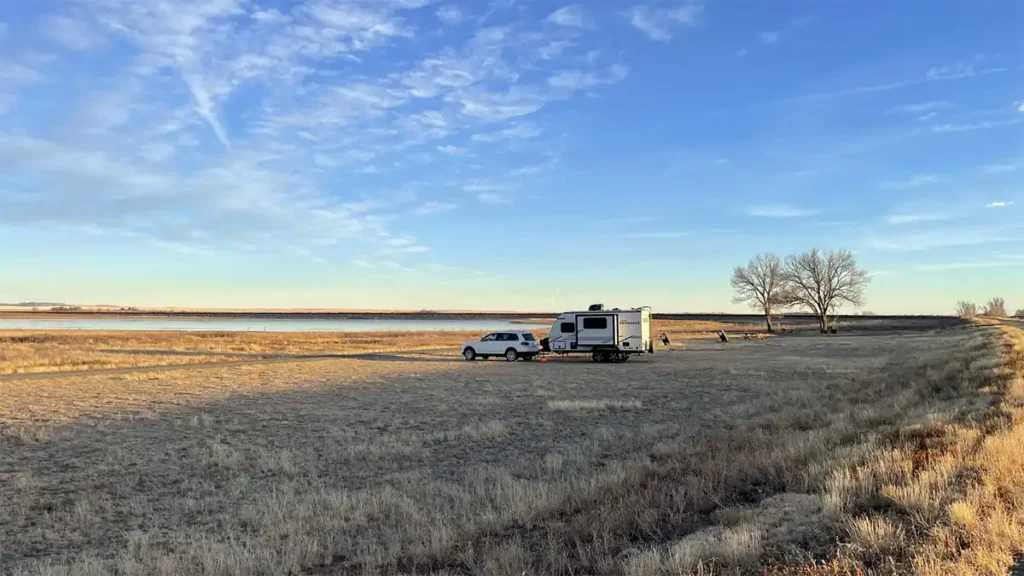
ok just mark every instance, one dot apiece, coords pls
pixel 567 327
pixel 595 323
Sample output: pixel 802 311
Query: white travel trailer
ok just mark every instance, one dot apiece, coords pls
pixel 607 335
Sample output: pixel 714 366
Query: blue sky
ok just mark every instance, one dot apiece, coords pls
pixel 509 154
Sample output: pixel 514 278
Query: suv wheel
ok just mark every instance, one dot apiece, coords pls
pixel 511 355
pixel 470 354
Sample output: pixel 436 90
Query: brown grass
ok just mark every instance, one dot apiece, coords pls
pixel 747 458
pixel 49 351
pixel 29 351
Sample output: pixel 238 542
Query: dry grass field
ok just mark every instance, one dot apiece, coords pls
pixel 881 452
pixel 23 351
pixel 31 351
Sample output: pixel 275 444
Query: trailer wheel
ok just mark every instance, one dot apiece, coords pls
pixel 469 354
pixel 624 356
pixel 511 355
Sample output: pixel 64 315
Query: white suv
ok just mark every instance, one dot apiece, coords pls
pixel 511 345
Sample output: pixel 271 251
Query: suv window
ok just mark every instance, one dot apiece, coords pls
pixel 506 337
pixel 567 327
pixel 595 323
pixel 529 337
pixel 489 338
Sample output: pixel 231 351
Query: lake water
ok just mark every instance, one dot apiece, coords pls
pixel 261 324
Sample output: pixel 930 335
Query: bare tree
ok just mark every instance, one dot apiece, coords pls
pixel 996 307
pixel 1020 313
pixel 965 309
pixel 824 281
pixel 761 285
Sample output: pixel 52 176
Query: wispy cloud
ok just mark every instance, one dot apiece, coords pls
pixel 781 211
pixel 398 247
pixel 204 106
pixel 493 198
pixel 998 168
pixel 957 71
pixel 574 80
pixel 775 36
pixel 70 32
pixel 527 170
pixel 979 264
pixel 925 110
pixel 170 133
pixel 450 15
pixel 482 186
pixel 913 182
pixel 1000 204
pixel 947 237
pixel 898 219
pixel 13 77
pixel 972 126
pixel 923 107
pixel 435 208
pixel 523 131
pixel 378 264
pixel 14 73
pixel 658 23
pixel 451 150
pixel 656 235
pixel 571 15
pixel 7 102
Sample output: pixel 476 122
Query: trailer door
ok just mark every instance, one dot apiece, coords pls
pixel 595 330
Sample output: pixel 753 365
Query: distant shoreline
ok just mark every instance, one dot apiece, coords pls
pixel 424 315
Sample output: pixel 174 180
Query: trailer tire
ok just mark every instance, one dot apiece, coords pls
pixel 469 354
pixel 511 355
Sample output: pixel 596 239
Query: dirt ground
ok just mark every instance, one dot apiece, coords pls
pixel 415 462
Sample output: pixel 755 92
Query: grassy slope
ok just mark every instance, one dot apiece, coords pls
pixel 944 497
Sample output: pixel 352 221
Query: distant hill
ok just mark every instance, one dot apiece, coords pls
pixel 31 304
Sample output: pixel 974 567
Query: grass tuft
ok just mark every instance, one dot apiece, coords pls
pixel 593 405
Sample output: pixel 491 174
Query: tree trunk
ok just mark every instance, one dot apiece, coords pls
pixel 823 323
pixel 768 320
